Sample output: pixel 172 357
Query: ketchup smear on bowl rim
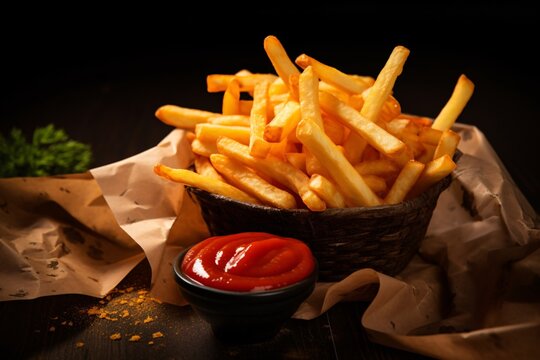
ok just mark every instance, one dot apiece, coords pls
pixel 249 261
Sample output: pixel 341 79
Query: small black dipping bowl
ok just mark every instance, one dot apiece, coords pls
pixel 243 317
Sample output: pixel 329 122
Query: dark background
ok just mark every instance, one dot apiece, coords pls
pixel 101 73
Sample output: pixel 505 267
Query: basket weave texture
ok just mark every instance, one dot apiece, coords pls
pixel 384 238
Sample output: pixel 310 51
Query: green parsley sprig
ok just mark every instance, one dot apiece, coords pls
pixel 51 152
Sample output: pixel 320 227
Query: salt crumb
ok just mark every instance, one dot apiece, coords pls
pixel 150 343
pixel 134 338
pixel 52 328
pixel 115 336
pixel 157 335
pixel 124 314
pixel 79 344
pixel 148 319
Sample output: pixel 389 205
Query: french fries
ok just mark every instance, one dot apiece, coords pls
pixel 319 135
pixel 204 182
pixel 248 181
pixel 455 105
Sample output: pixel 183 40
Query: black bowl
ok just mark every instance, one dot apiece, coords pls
pixel 243 317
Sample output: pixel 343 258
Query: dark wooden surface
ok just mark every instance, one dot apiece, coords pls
pixel 102 79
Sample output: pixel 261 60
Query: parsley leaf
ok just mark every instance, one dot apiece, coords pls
pixel 51 152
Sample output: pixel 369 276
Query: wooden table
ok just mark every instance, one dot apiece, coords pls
pixel 104 89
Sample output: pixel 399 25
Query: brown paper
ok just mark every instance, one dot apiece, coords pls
pixel 472 290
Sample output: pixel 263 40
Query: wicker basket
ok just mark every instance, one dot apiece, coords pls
pixel 384 238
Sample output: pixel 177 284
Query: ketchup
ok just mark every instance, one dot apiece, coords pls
pixel 249 261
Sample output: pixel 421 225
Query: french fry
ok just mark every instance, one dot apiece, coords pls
pixel 335 131
pixel 343 173
pixel 309 97
pixel 434 171
pixel 379 167
pixel 354 147
pixel 203 182
pixel 231 98
pixel 371 132
pixel 397 127
pixel 279 149
pixel 282 171
pixel 333 76
pixel 280 60
pixel 447 144
pixel 376 183
pixel 278 87
pixel 245 107
pixel 298 160
pixel 385 82
pixel 283 123
pixel 427 156
pixel 211 132
pixel 219 82
pixel 413 143
pixel 259 113
pixel 406 179
pixel 313 165
pixel 230 120
pixel 337 92
pixel 429 136
pixel 181 117
pixel 248 181
pixel 455 105
pixel 355 101
pixel 190 136
pixel 294 92
pixel 326 191
pixel 204 148
pixel 204 167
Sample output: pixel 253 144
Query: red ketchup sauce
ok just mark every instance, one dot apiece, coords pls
pixel 250 261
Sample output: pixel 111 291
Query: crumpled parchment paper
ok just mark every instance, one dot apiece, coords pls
pixel 472 291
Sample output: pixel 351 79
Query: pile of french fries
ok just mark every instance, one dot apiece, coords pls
pixel 315 137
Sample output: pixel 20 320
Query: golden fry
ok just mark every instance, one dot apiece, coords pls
pixel 455 105
pixel 283 123
pixel 447 144
pixel 379 167
pixel 309 97
pixel 434 171
pixel 231 99
pixel 204 148
pixel 230 120
pixel 382 88
pixel 204 167
pixel 343 173
pixel 332 76
pixel 211 132
pixel 245 107
pixel 259 113
pixel 203 182
pixel 376 183
pixel 219 82
pixel 429 136
pixel 298 160
pixel 280 60
pixel 327 191
pixel 275 168
pixel 181 117
pixel 371 132
pixel 405 181
pixel 248 181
